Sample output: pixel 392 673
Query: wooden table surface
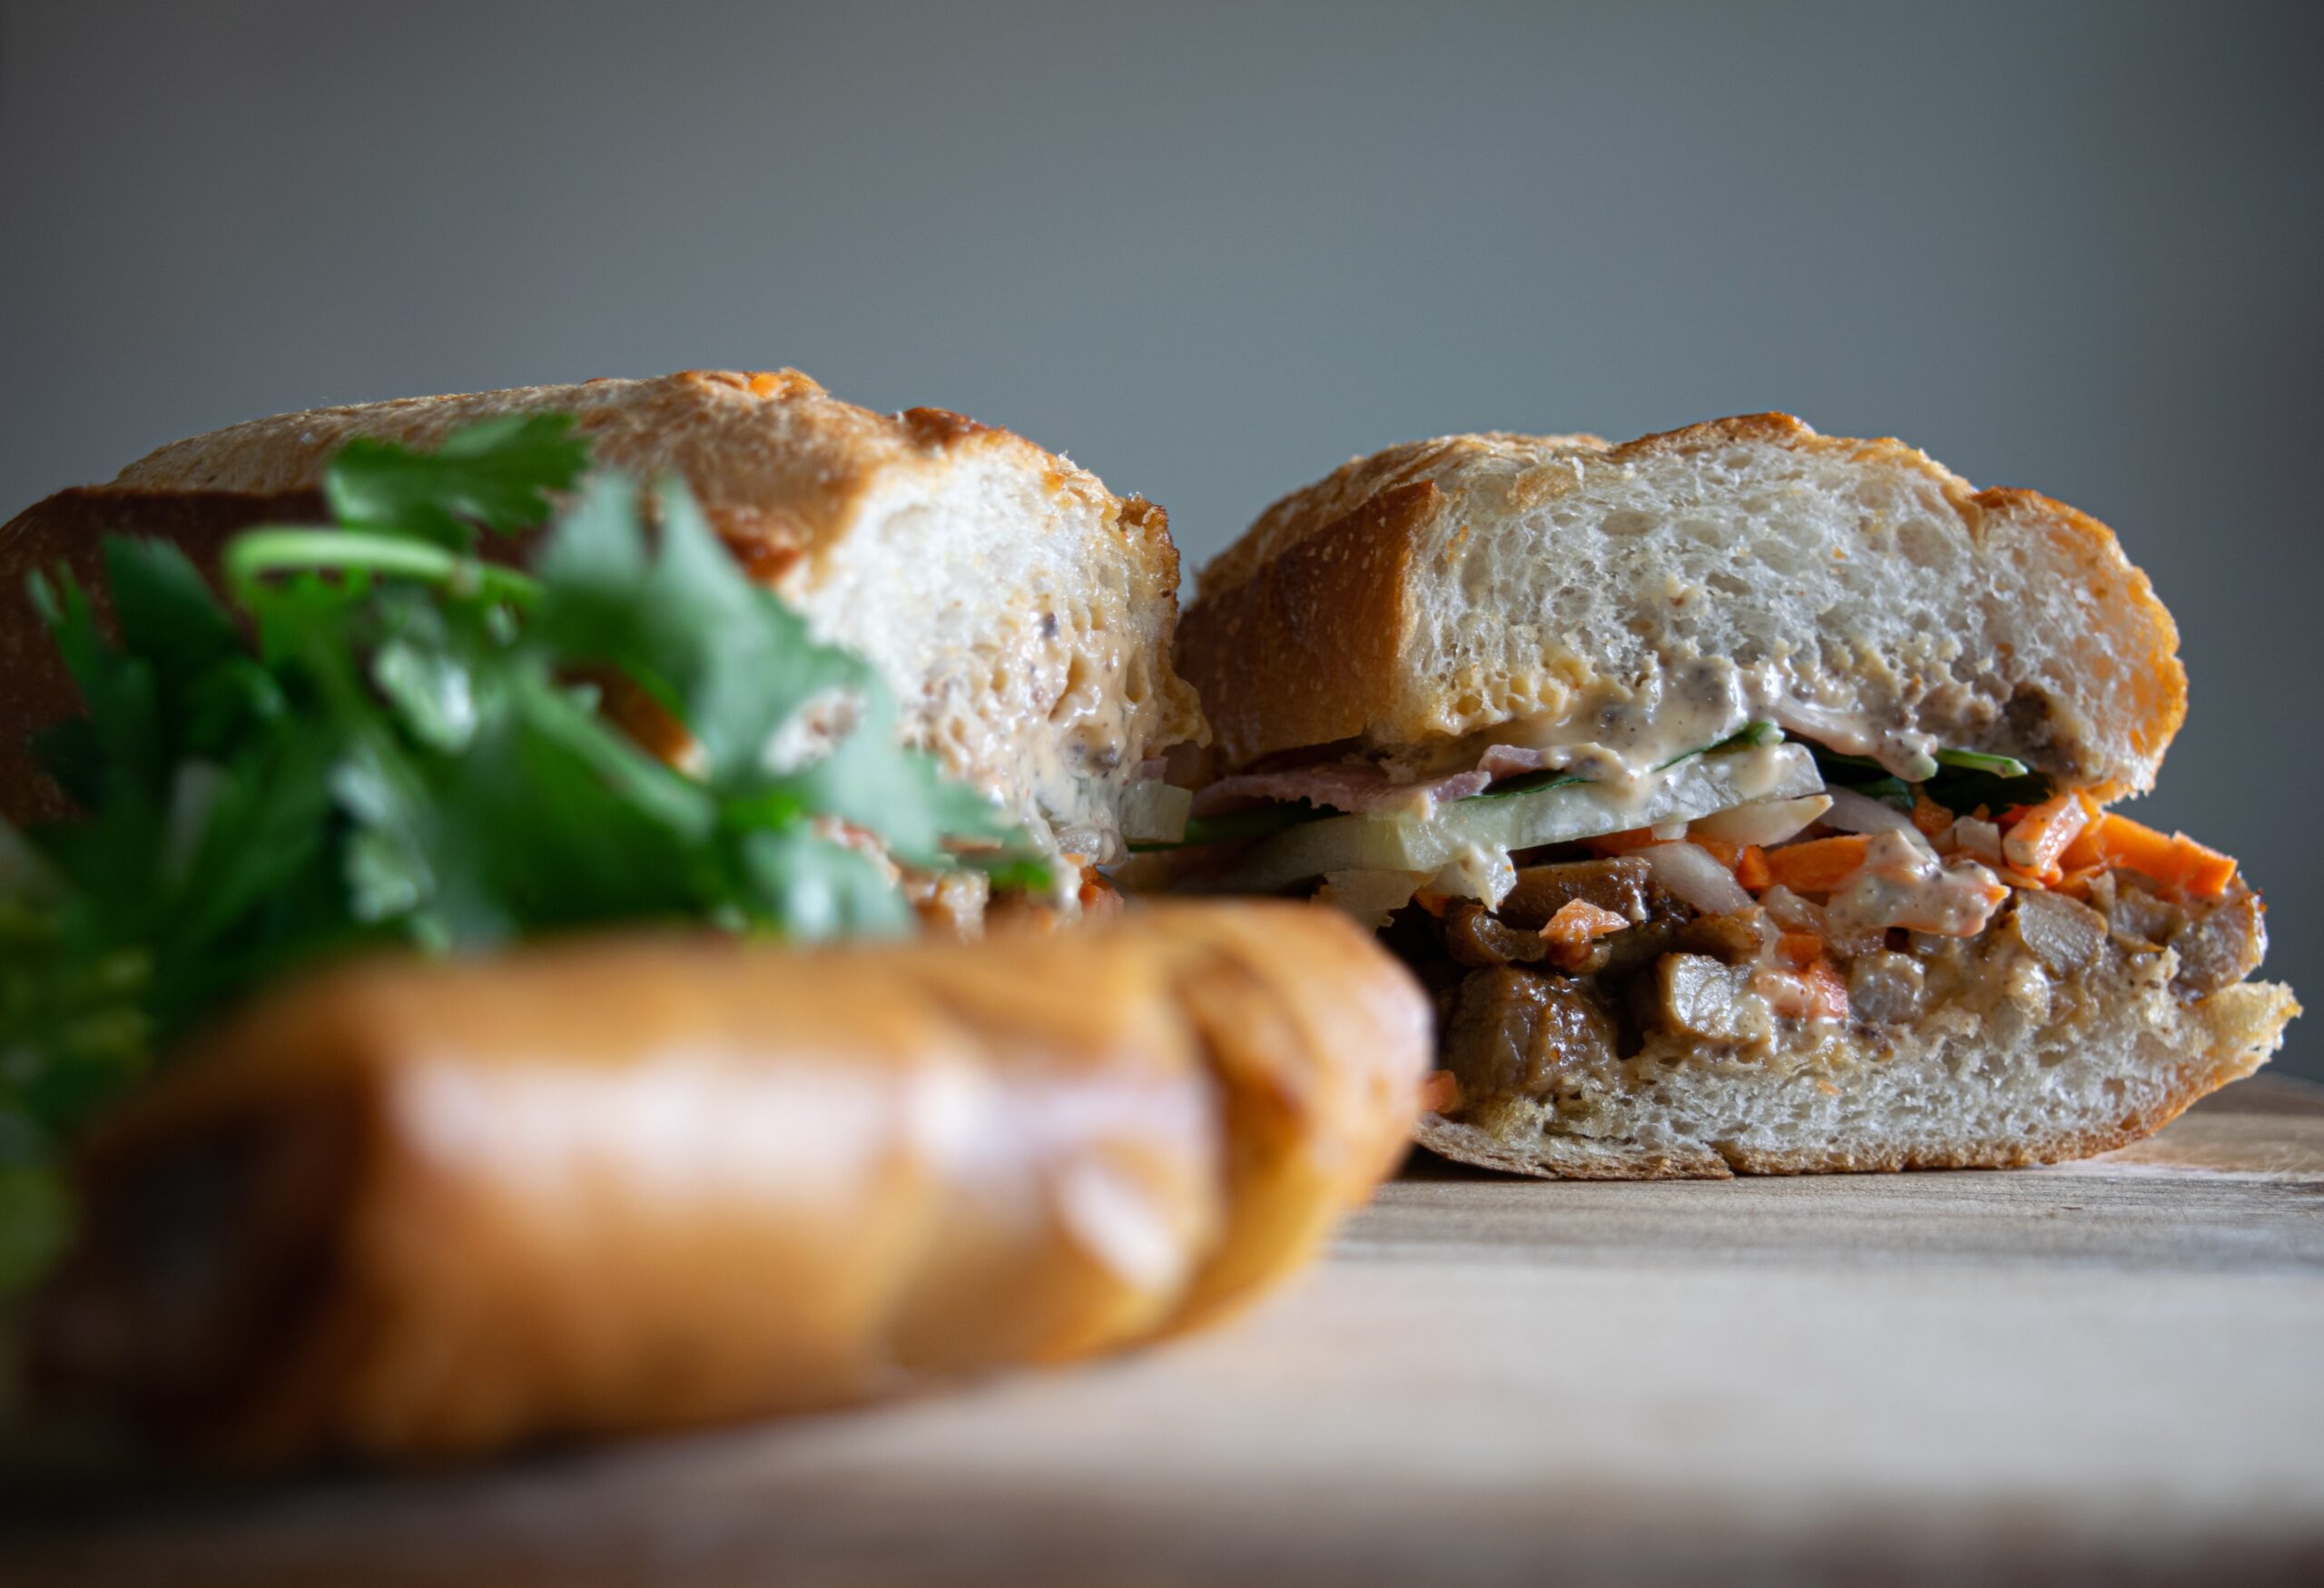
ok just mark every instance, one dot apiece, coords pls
pixel 2107 1370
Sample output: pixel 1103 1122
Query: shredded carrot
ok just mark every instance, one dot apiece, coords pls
pixel 1818 865
pixel 1929 816
pixel 1816 992
pixel 1435 904
pixel 1752 869
pixel 2038 837
pixel 1578 921
pixel 1440 1092
pixel 1623 842
pixel 1830 992
pixel 2176 861
pixel 1799 949
pixel 2075 885
pixel 1099 898
pixel 1725 851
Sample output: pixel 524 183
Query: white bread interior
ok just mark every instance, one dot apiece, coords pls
pixel 2045 1073
pixel 1439 589
pixel 1021 612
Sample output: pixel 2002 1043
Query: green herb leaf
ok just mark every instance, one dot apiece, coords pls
pixel 1979 761
pixel 497 475
pixel 405 757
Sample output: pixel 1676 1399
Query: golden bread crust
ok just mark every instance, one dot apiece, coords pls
pixel 1359 685
pixel 767 452
pixel 1079 600
pixel 825 1177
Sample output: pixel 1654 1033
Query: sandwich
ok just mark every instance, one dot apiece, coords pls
pixel 1743 796
pixel 435 984
pixel 1020 613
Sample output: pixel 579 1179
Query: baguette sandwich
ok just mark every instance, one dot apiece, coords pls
pixel 1740 793
pixel 1021 612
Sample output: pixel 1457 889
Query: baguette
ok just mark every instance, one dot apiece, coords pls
pixel 1516 700
pixel 1022 614
pixel 1448 587
pixel 407 1210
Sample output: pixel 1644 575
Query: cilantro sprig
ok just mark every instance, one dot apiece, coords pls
pixel 379 739
pixel 1964 781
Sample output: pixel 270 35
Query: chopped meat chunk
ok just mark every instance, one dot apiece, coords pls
pixel 1624 885
pixel 2137 914
pixel 2065 935
pixel 1886 988
pixel 1699 997
pixel 1512 1031
pixel 2222 947
pixel 1474 937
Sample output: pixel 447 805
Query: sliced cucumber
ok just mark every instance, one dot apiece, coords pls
pixel 1154 812
pixel 1558 813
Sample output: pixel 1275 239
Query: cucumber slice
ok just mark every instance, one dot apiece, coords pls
pixel 1154 812
pixel 1557 813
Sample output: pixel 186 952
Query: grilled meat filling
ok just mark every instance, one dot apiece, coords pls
pixel 1514 1021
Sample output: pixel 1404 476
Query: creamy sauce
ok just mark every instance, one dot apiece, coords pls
pixel 1900 752
pixel 1480 872
pixel 1626 735
pixel 1621 735
pixel 1902 884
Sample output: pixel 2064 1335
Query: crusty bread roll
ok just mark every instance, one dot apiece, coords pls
pixel 1659 945
pixel 1446 588
pixel 1021 612
pixel 412 1210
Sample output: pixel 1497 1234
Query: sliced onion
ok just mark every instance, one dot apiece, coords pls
pixel 1856 813
pixel 1154 812
pixel 1763 822
pixel 1479 872
pixel 1794 913
pixel 1981 839
pixel 1695 876
pixel 1371 896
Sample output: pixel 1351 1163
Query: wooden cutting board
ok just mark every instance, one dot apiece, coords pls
pixel 2112 1370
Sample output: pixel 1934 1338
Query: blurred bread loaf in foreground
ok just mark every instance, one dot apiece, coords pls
pixel 407 1210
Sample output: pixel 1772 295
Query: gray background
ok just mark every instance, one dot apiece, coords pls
pixel 1212 251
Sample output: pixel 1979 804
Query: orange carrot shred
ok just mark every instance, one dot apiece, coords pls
pixel 2034 841
pixel 1929 816
pixel 1623 842
pixel 1725 851
pixel 1752 869
pixel 2176 860
pixel 1799 949
pixel 1578 921
pixel 1440 1092
pixel 1818 865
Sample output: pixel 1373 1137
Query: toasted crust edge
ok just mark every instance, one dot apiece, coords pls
pixel 1259 712
pixel 2199 1074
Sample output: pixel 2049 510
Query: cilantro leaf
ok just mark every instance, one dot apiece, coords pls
pixel 407 750
pixel 498 474
pixel 722 655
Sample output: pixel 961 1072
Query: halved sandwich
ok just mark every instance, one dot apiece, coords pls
pixel 1020 612
pixel 1742 794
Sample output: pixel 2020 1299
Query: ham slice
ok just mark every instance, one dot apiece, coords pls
pixel 1340 785
pixel 1512 760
